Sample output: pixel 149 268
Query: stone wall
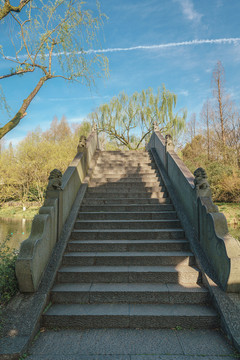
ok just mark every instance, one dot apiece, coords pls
pixel 35 251
pixel 208 225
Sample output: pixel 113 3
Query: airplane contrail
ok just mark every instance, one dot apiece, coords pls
pixel 148 47
pixel 168 45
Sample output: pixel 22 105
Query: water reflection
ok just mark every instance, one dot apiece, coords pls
pixel 15 229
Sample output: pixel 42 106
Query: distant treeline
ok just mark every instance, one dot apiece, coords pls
pixel 24 170
pixel 214 141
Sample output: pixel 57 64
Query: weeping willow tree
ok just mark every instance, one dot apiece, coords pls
pixel 130 119
pixel 53 39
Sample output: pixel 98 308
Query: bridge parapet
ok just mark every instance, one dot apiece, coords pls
pixel 209 226
pixel 47 225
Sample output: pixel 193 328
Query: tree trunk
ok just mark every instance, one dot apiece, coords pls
pixel 22 111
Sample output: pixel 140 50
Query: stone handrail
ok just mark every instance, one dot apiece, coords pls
pixel 208 224
pixel 46 229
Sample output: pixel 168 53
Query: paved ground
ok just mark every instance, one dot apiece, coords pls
pixel 131 344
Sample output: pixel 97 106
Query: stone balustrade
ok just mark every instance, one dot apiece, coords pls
pixel 36 251
pixel 208 225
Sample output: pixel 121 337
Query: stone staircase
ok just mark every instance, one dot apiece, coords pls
pixel 127 262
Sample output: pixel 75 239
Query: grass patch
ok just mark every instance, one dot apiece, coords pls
pixel 232 213
pixel 17 211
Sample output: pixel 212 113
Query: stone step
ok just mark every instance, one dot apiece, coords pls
pixel 142 234
pixel 126 258
pixel 127 208
pixel 127 215
pixel 123 170
pixel 124 153
pixel 127 224
pixel 125 178
pixel 123 187
pixel 94 191
pixel 137 293
pixel 126 163
pixel 123 157
pixel 127 245
pixel 128 180
pixel 125 201
pixel 129 316
pixel 126 195
pixel 180 274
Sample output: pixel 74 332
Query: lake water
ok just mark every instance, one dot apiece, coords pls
pixel 16 230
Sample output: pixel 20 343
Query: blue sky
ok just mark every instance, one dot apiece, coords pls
pixel 148 43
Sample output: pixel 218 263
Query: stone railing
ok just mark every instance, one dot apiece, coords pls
pixel 208 226
pixel 36 251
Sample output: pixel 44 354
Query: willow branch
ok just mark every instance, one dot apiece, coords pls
pixel 63 77
pixel 49 36
pixel 19 72
pixel 22 33
pixel 43 68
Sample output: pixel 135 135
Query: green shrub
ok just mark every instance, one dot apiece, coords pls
pixel 8 281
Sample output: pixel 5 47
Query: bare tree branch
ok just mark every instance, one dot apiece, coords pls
pixel 7 8
pixel 22 111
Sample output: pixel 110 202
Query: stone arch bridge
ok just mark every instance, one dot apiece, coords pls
pixel 130 240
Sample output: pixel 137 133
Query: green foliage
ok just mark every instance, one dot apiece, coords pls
pixel 24 356
pixel 178 328
pixel 24 171
pixel 130 119
pixel 224 178
pixel 84 129
pixel 8 281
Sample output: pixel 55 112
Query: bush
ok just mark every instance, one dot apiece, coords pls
pixel 230 189
pixel 8 280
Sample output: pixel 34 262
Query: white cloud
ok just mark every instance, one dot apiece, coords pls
pixel 183 92
pixel 188 10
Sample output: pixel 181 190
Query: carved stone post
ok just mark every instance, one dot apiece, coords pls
pixel 54 191
pixel 203 192
pixel 203 189
pixel 95 129
pixel 155 126
pixel 54 180
pixel 82 144
pixel 168 147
